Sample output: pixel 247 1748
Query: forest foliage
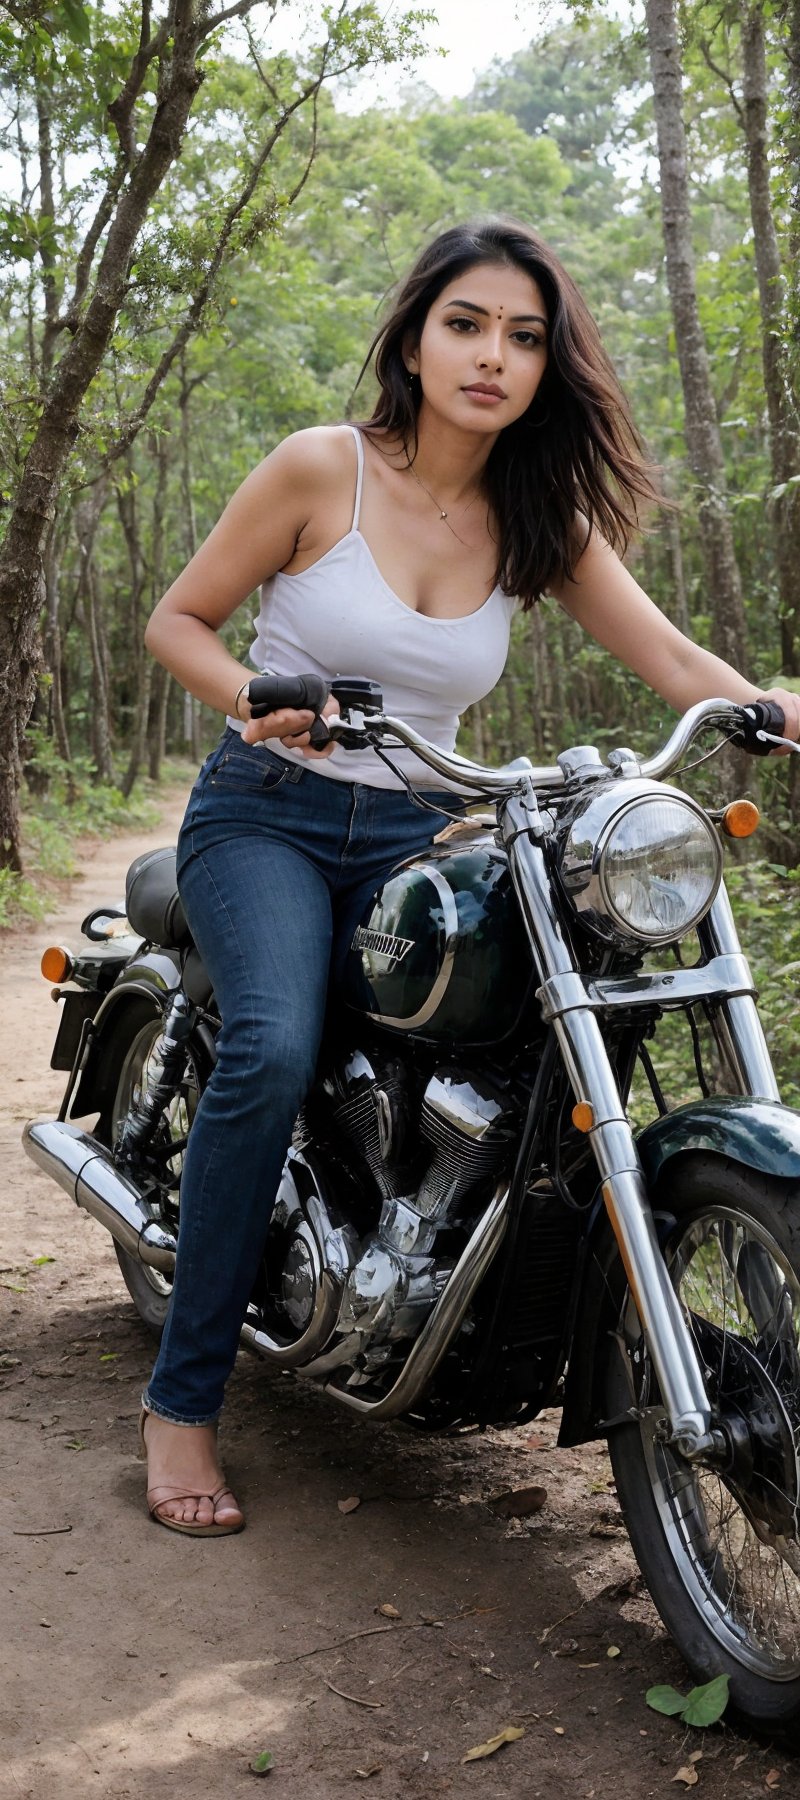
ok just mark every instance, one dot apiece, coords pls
pixel 264 258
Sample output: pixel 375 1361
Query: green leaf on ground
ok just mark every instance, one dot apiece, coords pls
pixel 262 1763
pixel 704 1705
pixel 665 1700
pixel 701 1706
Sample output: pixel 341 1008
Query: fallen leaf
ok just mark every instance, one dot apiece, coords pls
pixel 665 1700
pixel 738 1760
pixel 696 1756
pixel 518 1503
pixel 262 1763
pixel 39 1261
pixel 688 1775
pixel 704 1705
pixel 535 1443
pixel 365 1773
pixel 349 1505
pixel 388 1611
pixel 772 1778
pixel 613 1650
pixel 506 1736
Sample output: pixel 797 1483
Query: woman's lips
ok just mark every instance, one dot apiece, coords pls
pixel 486 396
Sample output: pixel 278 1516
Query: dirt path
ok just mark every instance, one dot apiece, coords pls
pixel 142 1664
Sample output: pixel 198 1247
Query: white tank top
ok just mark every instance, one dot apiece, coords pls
pixel 339 617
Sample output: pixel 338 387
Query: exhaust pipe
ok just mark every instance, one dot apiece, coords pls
pixel 86 1171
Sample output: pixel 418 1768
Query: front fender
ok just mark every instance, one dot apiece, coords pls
pixel 760 1134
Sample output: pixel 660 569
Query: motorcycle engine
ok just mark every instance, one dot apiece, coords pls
pixel 425 1159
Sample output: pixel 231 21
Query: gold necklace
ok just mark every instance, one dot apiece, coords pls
pixel 440 509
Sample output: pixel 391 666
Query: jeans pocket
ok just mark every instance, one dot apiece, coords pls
pixel 248 769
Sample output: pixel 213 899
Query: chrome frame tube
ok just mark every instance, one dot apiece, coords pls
pixel 622 1181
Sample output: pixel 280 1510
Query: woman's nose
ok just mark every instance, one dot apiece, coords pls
pixel 490 353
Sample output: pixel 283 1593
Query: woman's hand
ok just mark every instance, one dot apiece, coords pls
pixel 292 727
pixel 790 707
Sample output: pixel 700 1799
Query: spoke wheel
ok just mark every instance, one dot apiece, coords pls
pixel 720 1547
pixel 148 1288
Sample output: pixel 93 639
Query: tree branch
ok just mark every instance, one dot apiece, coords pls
pixel 239 10
pixel 191 320
pixel 724 77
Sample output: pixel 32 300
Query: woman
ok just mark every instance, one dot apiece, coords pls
pixel 500 461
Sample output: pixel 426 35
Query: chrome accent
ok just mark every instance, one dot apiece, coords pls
pixel 722 977
pixel 461 1105
pixel 466 1122
pixel 85 1170
pixel 440 1328
pixel 581 759
pixel 331 1251
pixel 623 1186
pixel 439 989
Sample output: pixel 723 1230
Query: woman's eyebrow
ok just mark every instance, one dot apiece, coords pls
pixel 517 319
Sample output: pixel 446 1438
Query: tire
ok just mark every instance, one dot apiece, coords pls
pixel 150 1290
pixel 721 1553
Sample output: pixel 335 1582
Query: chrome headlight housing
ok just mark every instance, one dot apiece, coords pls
pixel 641 863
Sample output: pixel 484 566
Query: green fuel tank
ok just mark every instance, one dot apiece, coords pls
pixel 441 950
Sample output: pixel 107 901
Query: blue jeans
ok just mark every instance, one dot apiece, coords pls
pixel 276 863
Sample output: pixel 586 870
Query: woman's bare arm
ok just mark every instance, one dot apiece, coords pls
pixel 256 535
pixel 606 601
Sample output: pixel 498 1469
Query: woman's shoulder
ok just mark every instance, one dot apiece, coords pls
pixel 315 454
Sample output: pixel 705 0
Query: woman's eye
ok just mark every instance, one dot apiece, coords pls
pixel 529 339
pixel 460 324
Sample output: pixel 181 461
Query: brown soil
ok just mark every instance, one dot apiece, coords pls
pixel 142 1664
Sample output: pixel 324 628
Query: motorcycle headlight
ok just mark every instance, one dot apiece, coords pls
pixel 641 867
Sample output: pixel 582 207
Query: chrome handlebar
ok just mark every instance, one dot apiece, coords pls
pixel 550 778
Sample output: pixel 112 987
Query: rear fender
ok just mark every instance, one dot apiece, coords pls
pixel 140 992
pixel 759 1134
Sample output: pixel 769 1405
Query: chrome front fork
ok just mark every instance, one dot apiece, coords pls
pixel 566 1003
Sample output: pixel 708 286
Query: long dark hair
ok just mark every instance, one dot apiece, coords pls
pixel 575 451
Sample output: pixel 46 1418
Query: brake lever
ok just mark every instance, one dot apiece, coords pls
pixel 779 743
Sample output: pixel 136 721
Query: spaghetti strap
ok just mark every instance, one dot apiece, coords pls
pixel 359 477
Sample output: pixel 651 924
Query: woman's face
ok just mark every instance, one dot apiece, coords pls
pixel 483 349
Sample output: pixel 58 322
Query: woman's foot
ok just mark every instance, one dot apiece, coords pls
pixel 186 1489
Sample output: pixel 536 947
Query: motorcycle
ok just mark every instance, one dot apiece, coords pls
pixel 468 1228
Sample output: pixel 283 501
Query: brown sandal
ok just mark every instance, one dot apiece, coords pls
pixel 166 1496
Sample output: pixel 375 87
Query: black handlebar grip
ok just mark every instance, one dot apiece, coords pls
pixel 304 693
pixel 269 693
pixel 760 715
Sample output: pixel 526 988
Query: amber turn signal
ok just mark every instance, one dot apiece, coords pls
pixel 740 819
pixel 583 1116
pixel 57 964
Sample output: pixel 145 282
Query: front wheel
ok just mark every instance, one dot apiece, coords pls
pixel 720 1551
pixel 150 1290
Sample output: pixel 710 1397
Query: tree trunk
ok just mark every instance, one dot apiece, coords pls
pixel 703 440
pixel 784 424
pixel 52 646
pixel 22 585
pixel 157 727
pixel 100 732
